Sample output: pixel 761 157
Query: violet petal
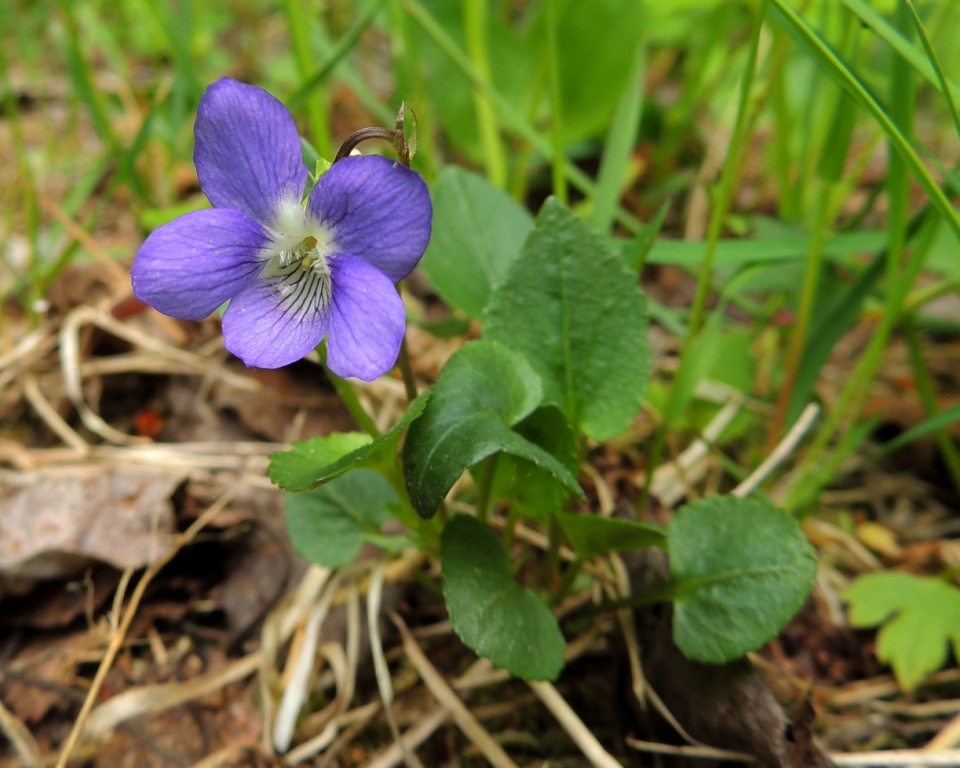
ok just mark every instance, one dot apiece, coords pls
pixel 247 151
pixel 279 317
pixel 367 320
pixel 377 210
pixel 190 266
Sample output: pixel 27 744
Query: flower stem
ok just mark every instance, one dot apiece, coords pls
pixel 484 486
pixel 348 396
pixel 513 516
pixel 566 582
pixel 364 134
pixel 552 565
pixel 409 382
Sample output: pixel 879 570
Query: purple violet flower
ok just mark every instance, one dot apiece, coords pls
pixel 293 273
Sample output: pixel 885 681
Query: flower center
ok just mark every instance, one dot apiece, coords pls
pixel 304 253
pixel 300 272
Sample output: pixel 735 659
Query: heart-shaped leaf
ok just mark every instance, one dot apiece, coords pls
pixel 489 611
pixel 328 525
pixel 741 569
pixel 593 536
pixel 477 231
pixel 531 491
pixel 321 459
pixel 299 468
pixel 576 313
pixel 482 391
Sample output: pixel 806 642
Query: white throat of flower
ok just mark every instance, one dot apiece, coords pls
pixel 298 262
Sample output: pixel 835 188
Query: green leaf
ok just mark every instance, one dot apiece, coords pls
pixel 482 391
pixel 298 468
pixel 572 308
pixel 741 570
pixel 737 252
pixel 593 536
pixel 477 232
pixel 493 615
pixel 619 146
pixel 321 459
pixel 531 491
pixel 328 525
pixel 920 619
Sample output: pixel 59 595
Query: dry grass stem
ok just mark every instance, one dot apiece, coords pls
pixel 895 758
pixel 120 632
pixel 384 682
pixel 949 736
pixel 696 752
pixel 360 716
pixel 573 725
pixel 300 666
pixel 118 275
pixel 782 450
pixel 20 737
pixel 672 481
pixel 410 740
pixel 52 419
pixel 151 699
pixel 444 694
pixel 220 757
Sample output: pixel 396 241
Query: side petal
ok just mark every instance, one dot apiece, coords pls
pixel 189 267
pixel 367 320
pixel 375 209
pixel 247 151
pixel 279 317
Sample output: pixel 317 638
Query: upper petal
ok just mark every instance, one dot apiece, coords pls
pixel 375 209
pixel 247 151
pixel 189 267
pixel 279 317
pixel 367 320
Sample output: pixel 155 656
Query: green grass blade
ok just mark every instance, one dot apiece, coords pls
pixel 619 146
pixel 934 424
pixel 945 87
pixel 837 69
pixel 889 34
pixel 824 334
pixel 928 396
pixel 298 28
pixel 176 26
pixel 735 253
pixel 559 155
pixel 410 86
pixel 511 118
pixel 475 29
pixel 80 75
pixel 333 57
pixel 636 251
